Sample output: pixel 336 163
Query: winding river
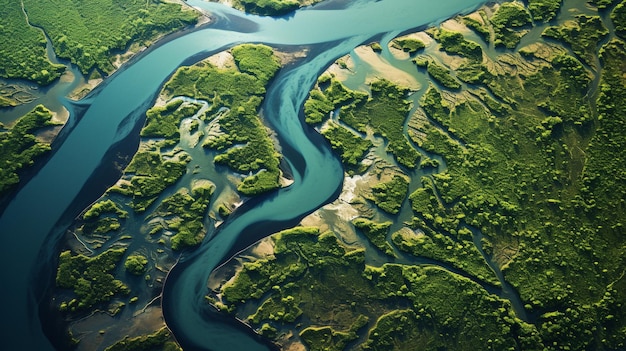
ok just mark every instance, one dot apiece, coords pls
pixel 33 224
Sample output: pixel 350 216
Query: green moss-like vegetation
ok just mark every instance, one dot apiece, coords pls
pixel 618 16
pixel 271 7
pixel 256 60
pixel 101 226
pixel 102 218
pixel 442 75
pixel 601 4
pixel 184 215
pixel 90 278
pixel 478 26
pixel 524 180
pixel 390 195
pixel 19 147
pixel 23 48
pixel 164 122
pixel 444 238
pixel 244 144
pixel 376 47
pixel 89 35
pixel 161 340
pixel 532 187
pixel 385 113
pixel 376 233
pixel 151 174
pixel 458 251
pixel 472 73
pixel 544 10
pixel 326 338
pixel 102 207
pixel 582 35
pixel 507 19
pixel 410 45
pixel 421 61
pixel 325 98
pixel 455 43
pixel 7 102
pixel 311 269
pixel 350 147
pixel 136 263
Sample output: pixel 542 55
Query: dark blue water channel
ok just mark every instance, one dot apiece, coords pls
pixel 30 227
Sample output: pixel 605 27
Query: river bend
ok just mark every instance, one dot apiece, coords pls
pixel 30 229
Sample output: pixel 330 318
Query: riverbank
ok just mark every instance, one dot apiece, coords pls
pixel 466 124
pixel 136 48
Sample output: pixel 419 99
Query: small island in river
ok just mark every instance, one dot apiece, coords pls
pixel 483 197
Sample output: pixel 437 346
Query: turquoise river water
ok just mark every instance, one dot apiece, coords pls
pixel 31 225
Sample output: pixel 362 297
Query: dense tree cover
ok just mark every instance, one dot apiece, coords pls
pixel 326 338
pixel 89 34
pixel 618 16
pixel 385 112
pixel 164 121
pixel 244 143
pixel 327 96
pixel 544 10
pixel 533 155
pixel 105 206
pixel 310 269
pixel 23 48
pixel 376 233
pixel 184 215
pixel 442 75
pixel 271 7
pixel 389 196
pixel 508 19
pixel 602 4
pixel 351 147
pixel 160 340
pixel 103 217
pixel 149 173
pixel 90 278
pixel 455 43
pixel 541 230
pixel 136 263
pixel 19 146
pixel 410 45
pixel 582 34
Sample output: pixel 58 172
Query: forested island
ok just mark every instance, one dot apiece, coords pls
pixel 483 196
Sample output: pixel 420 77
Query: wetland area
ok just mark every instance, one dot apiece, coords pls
pixel 313 175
